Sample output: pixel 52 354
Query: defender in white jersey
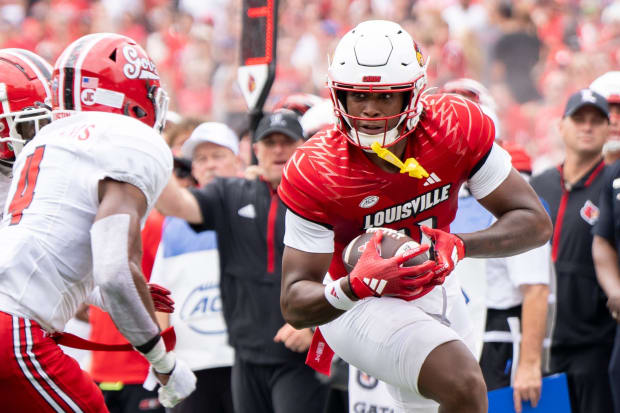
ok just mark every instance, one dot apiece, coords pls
pixel 24 99
pixel 71 227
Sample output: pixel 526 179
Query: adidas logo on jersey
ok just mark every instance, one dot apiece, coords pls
pixel 375 284
pixel 432 179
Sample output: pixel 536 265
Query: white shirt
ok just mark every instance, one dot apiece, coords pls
pixel 46 260
pixel 506 275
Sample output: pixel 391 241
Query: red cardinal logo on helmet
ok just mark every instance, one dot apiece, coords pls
pixel 418 54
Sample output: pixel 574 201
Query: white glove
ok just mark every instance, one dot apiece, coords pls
pixel 182 383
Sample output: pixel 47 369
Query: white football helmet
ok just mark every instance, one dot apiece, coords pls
pixel 377 56
pixel 608 86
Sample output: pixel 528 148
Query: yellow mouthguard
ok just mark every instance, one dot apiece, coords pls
pixel 411 165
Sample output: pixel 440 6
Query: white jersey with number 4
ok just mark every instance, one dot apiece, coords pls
pixel 46 259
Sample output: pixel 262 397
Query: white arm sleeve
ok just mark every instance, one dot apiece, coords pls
pixel 109 239
pixel 95 298
pixel 530 267
pixel 491 174
pixel 307 236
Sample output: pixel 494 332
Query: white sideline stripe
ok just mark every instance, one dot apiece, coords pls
pixel 42 372
pixel 24 368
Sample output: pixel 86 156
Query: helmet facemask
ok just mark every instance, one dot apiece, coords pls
pixel 408 116
pixel 160 100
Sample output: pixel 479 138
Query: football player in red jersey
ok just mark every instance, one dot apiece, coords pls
pixel 405 326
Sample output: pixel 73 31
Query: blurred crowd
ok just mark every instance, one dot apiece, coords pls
pixel 531 54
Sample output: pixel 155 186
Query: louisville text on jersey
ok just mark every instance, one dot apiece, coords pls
pixel 407 209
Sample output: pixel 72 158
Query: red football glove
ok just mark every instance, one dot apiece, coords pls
pixel 160 295
pixel 449 250
pixel 376 276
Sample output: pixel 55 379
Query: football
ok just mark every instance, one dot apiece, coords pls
pixel 393 243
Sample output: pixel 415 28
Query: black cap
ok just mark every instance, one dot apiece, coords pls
pixel 285 122
pixel 586 97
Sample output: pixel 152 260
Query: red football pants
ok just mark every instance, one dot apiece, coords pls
pixel 36 376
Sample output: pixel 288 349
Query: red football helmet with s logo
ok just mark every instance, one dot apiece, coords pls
pixel 108 72
pixel 25 97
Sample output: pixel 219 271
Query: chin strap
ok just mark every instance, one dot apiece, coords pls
pixel 411 165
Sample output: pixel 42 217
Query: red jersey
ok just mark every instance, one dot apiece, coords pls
pixel 330 181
